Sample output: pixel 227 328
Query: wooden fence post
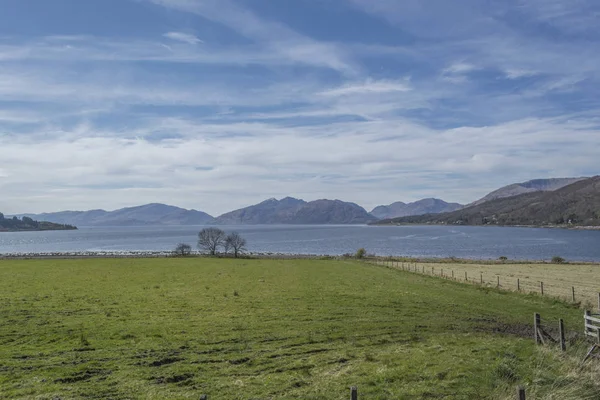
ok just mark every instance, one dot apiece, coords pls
pixel 598 302
pixel 432 271
pixel 466 277
pixel 536 325
pixel 353 393
pixel 442 273
pixel 498 285
pixel 521 393
pixel 573 293
pixel 423 269
pixel 561 330
pixel 518 285
pixel 481 278
pixel 452 274
pixel 542 288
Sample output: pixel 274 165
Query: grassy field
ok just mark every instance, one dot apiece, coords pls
pixel 267 329
pixel 558 279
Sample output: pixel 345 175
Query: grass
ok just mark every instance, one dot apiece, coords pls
pixel 266 329
pixel 558 279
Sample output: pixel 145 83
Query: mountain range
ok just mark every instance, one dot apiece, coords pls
pixel 290 210
pixel 576 204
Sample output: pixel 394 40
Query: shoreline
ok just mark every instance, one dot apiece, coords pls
pixel 565 227
pixel 269 255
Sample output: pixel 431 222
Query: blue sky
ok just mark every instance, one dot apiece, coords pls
pixel 217 104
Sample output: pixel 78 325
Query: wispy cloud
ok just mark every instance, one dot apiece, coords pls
pixel 276 37
pixel 183 37
pixel 369 86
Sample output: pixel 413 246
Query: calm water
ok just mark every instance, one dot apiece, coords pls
pixel 435 241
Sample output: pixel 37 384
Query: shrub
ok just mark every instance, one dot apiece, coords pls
pixel 558 260
pixel 503 258
pixel 360 253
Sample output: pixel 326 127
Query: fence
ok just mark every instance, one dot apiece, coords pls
pixel 592 324
pixel 592 328
pixel 473 274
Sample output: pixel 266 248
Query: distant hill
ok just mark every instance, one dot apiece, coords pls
pixel 425 206
pixel 332 212
pixel 294 211
pixel 577 204
pixel 270 211
pixel 15 224
pixel 150 214
pixel 536 185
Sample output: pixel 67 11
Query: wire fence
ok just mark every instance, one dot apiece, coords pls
pixel 513 279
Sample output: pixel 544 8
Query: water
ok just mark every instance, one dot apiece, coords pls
pixel 430 241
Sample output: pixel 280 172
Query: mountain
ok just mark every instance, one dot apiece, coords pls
pixel 15 224
pixel 332 212
pixel 577 204
pixel 150 214
pixel 536 185
pixel 270 211
pixel 294 211
pixel 425 206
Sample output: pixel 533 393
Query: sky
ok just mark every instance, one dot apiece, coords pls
pixel 219 104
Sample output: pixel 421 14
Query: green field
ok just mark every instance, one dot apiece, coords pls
pixel 268 329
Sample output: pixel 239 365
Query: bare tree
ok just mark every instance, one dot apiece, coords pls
pixel 209 239
pixel 234 241
pixel 183 250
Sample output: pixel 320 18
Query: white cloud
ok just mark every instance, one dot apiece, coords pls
pixel 183 37
pixel 214 169
pixel 457 72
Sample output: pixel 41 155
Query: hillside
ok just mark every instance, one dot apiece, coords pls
pixel 577 204
pixel 15 224
pixel 536 185
pixel 150 214
pixel 294 211
pixel 425 206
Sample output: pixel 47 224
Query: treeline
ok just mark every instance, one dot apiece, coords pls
pixel 28 224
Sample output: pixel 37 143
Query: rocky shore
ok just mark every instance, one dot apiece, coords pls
pixel 142 254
